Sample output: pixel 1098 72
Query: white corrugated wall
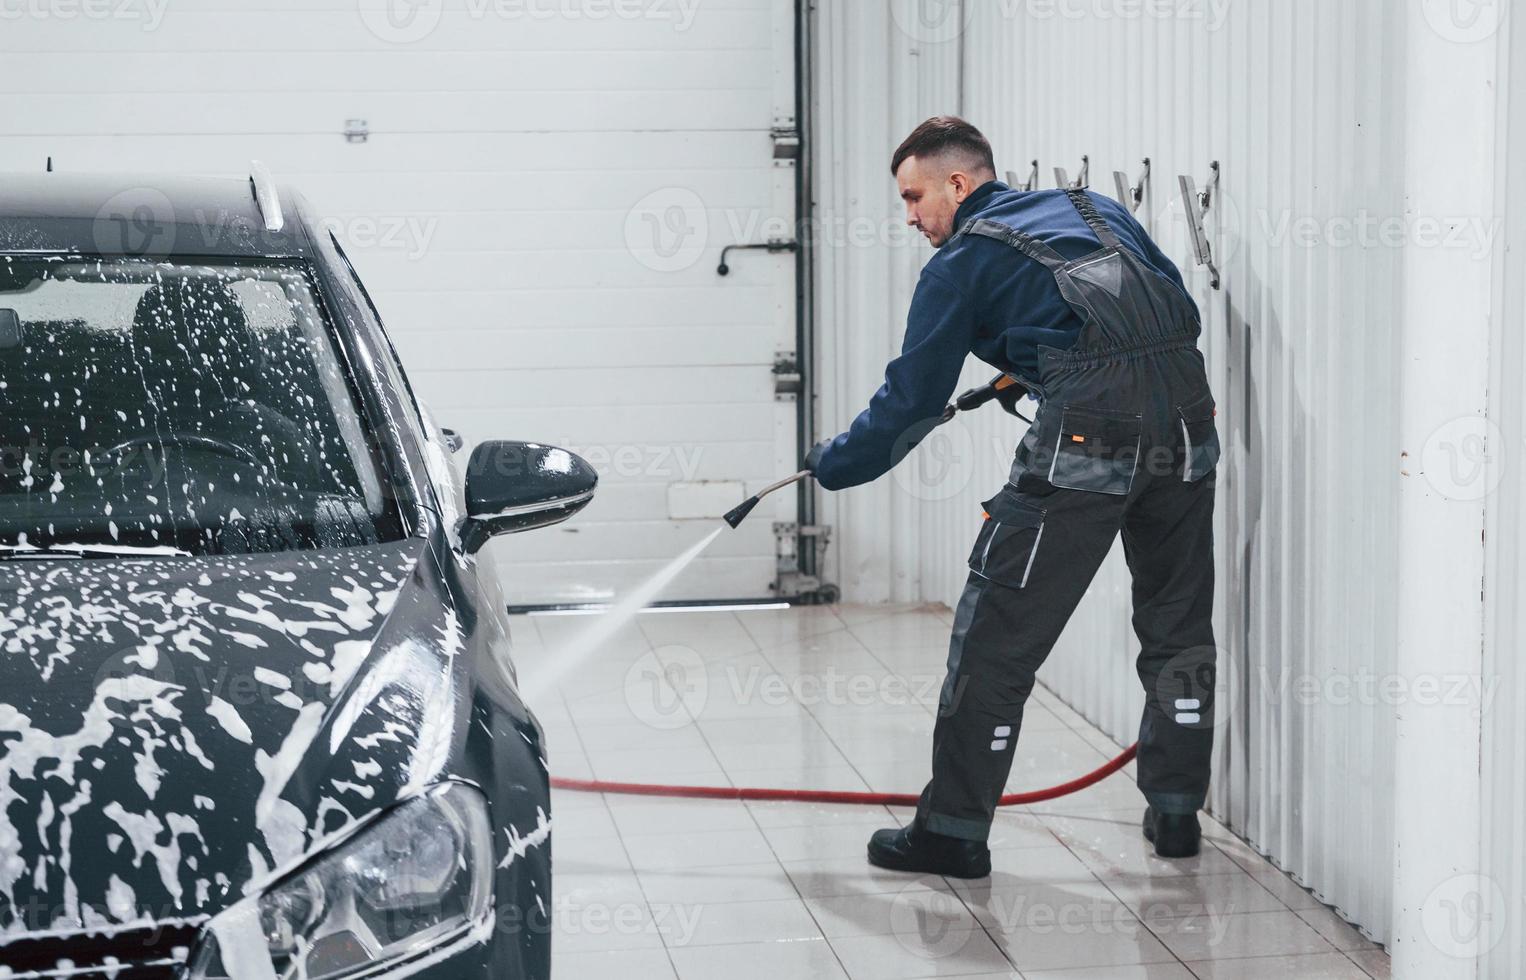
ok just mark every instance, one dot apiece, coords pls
pixel 1305 105
pixel 1503 882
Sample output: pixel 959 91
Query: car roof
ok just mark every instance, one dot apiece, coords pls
pixel 148 215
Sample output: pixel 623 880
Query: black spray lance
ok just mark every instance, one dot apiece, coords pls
pixel 1004 387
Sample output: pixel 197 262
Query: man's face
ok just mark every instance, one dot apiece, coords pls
pixel 932 195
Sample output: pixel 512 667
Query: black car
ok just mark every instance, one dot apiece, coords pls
pixel 257 710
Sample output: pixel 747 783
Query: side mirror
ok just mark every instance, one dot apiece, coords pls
pixel 453 440
pixel 521 486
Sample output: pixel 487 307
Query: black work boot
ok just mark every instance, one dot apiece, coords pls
pixel 914 848
pixel 1175 835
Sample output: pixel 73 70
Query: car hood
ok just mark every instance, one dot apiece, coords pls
pixel 178 731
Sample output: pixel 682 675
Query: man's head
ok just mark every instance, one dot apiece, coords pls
pixel 941 163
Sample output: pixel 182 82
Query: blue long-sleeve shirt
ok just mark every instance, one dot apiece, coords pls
pixel 978 295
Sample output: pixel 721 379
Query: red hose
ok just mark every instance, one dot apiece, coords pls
pixel 830 796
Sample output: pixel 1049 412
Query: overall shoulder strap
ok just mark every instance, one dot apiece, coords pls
pixel 1088 210
pixel 1020 240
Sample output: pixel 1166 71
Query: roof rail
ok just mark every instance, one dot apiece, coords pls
pixel 265 197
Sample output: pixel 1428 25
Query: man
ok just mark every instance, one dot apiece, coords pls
pixel 1064 291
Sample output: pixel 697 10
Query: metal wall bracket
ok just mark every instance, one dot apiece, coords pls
pixel 1197 206
pixel 786 146
pixel 1083 180
pixel 356 131
pixel 1133 196
pixel 1031 183
pixel 791 583
pixel 787 380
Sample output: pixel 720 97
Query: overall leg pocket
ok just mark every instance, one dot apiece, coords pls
pixel 1096 449
pixel 1008 541
pixel 1200 438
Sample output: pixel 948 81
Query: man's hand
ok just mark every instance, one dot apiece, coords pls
pixel 1011 394
pixel 813 458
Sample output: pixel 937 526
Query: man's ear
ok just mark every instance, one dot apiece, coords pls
pixel 964 186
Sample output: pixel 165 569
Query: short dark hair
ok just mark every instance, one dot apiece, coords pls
pixel 943 133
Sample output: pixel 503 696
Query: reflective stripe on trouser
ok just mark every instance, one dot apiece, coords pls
pixel 1124 441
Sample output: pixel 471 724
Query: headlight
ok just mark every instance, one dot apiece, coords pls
pixel 412 881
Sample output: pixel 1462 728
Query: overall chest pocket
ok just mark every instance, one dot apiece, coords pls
pixel 1096 450
pixel 1008 542
pixel 1200 438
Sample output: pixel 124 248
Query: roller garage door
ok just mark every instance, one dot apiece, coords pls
pixel 536 192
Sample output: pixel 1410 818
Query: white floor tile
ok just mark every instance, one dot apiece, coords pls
pixel 1238 936
pixel 1317 966
pixel 1145 971
pixel 772 627
pixel 1054 945
pixel 907 955
pixel 764 881
pixel 702 849
pixel 1375 962
pixel 844 876
pixel 811 960
pixel 770 813
pixel 626 964
pixel 1171 896
pixel 1336 930
pixel 822 843
pixel 923 905
pixel 778 921
pixel 643 815
pixel 654 887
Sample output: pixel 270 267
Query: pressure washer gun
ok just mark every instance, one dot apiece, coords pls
pixel 1003 388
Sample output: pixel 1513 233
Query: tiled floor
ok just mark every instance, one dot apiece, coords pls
pixel 842 698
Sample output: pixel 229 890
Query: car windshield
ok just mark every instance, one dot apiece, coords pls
pixel 170 407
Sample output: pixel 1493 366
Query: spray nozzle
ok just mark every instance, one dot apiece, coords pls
pixel 735 516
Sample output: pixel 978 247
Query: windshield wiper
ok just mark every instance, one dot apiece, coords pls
pixel 25 551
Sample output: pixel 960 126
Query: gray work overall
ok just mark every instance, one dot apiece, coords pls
pixel 1124 440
